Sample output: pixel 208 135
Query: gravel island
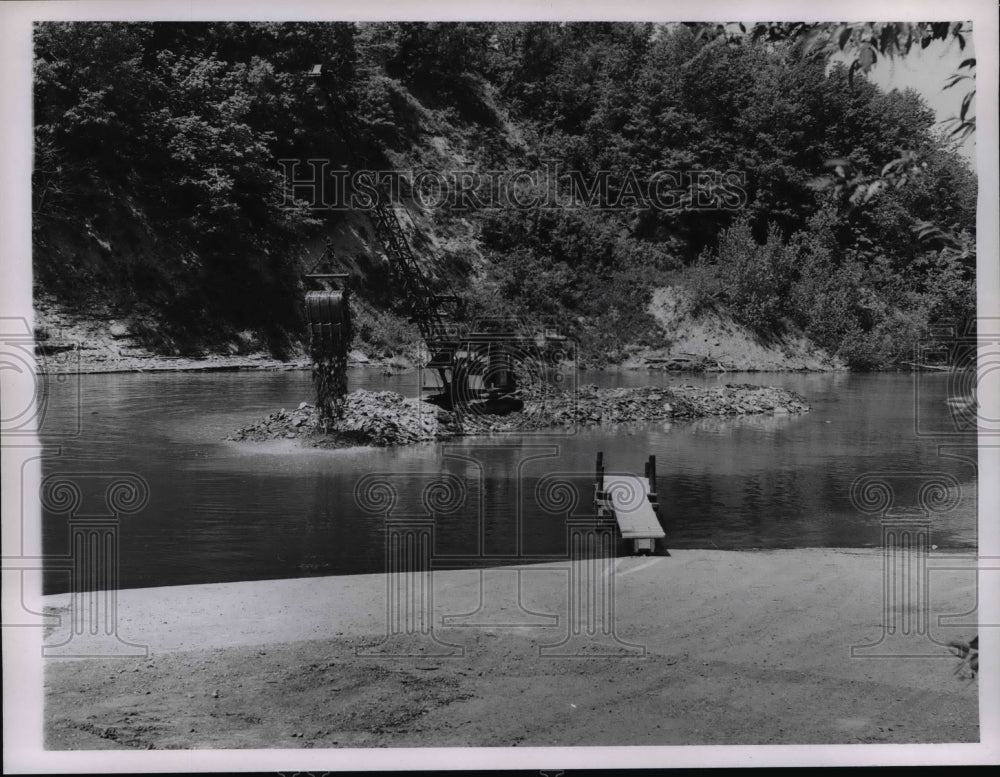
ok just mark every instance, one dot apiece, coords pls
pixel 386 418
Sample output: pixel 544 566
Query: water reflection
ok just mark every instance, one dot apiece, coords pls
pixel 220 511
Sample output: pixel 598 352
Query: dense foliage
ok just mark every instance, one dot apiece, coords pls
pixel 155 176
pixel 157 148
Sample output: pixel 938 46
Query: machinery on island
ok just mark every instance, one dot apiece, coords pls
pixel 473 364
pixel 328 317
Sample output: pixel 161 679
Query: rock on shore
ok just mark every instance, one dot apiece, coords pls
pixel 385 418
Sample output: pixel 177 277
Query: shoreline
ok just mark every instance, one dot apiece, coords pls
pixel 705 647
pixel 70 362
pixel 105 343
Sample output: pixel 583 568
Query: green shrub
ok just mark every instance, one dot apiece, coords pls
pixel 853 305
pixel 754 279
pixel 382 333
pixel 578 270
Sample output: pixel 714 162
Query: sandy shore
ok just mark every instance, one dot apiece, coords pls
pixel 708 647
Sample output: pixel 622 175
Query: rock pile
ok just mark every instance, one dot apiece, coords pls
pixel 387 418
pixel 370 418
pixel 739 399
pixel 592 405
pixel 283 423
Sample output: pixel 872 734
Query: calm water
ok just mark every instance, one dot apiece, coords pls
pixel 219 511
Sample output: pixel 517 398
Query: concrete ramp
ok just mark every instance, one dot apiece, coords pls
pixel 629 498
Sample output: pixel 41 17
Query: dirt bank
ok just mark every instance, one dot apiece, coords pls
pixel 713 647
pixel 710 340
pixel 388 418
pixel 102 339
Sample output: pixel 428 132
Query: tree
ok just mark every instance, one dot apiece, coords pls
pixel 179 126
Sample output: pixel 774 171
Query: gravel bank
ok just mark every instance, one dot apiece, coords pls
pixel 387 418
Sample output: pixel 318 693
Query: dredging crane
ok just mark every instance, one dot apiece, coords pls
pixel 475 362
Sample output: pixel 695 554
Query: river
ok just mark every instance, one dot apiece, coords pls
pixel 220 511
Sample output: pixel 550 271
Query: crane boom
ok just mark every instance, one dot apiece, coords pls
pixel 472 362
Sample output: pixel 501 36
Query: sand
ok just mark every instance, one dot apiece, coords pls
pixel 701 647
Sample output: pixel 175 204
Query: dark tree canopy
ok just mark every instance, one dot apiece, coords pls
pixel 166 137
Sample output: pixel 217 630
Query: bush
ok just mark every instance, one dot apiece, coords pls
pixel 580 271
pixel 854 305
pixel 755 279
pixel 382 332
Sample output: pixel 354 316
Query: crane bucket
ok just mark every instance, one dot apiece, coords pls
pixel 329 323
